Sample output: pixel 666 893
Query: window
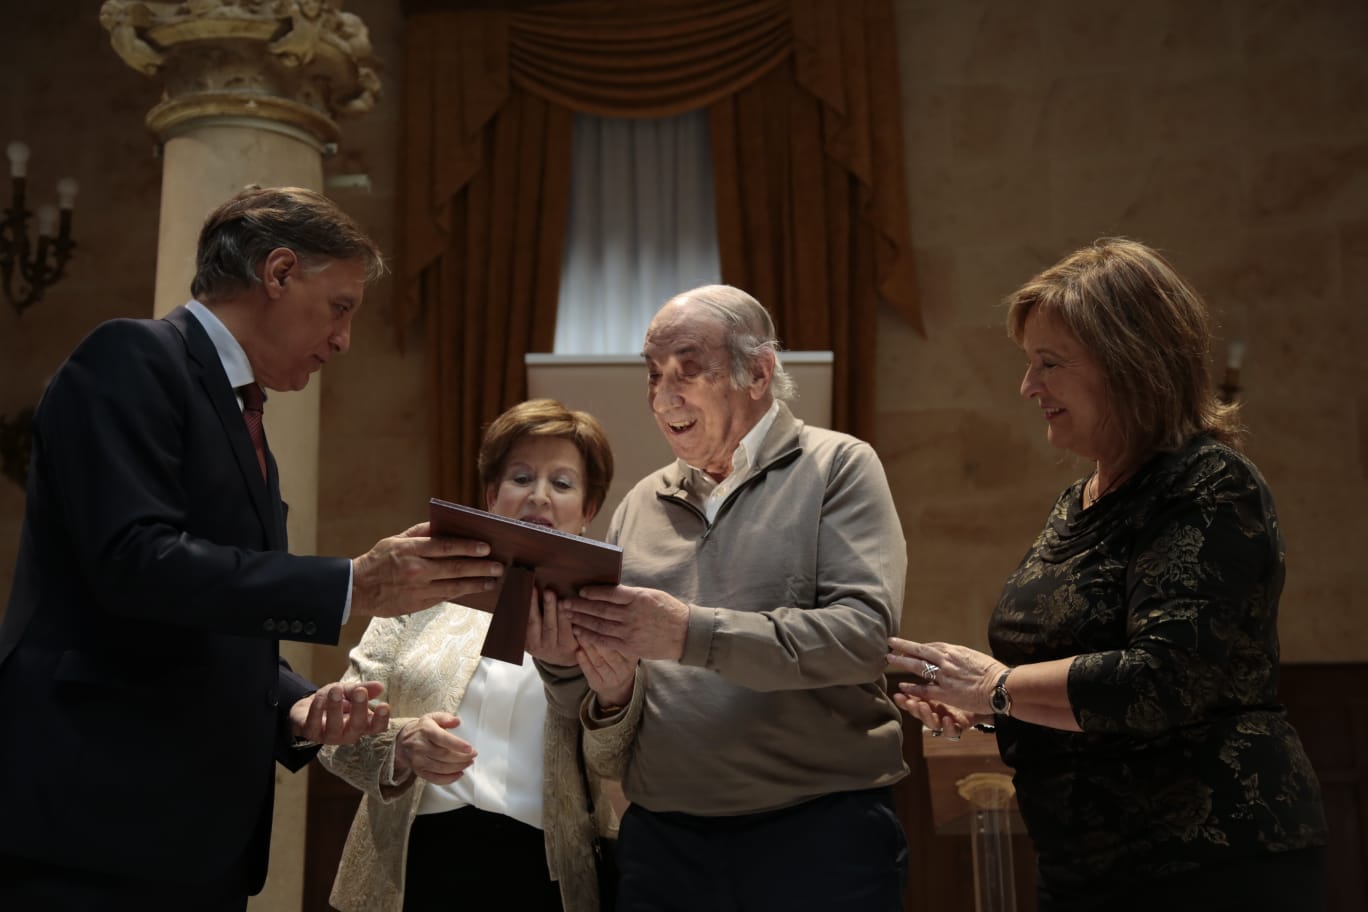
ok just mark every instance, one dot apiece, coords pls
pixel 641 228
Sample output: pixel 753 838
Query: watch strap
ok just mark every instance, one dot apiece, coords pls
pixel 1002 699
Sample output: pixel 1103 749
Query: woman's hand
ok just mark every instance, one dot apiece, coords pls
pixel 610 674
pixel 549 635
pixel 950 675
pixel 426 748
pixel 939 718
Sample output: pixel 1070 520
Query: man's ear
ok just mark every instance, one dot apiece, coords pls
pixel 762 372
pixel 279 266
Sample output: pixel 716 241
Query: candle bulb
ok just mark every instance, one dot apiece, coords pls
pixel 37 265
pixel 66 192
pixel 18 158
pixel 1235 354
pixel 1230 386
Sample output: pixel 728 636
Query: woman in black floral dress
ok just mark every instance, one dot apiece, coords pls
pixel 1134 676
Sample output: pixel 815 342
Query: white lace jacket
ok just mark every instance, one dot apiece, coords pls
pixel 370 877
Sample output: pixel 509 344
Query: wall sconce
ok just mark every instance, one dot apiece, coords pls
pixel 1230 384
pixel 45 264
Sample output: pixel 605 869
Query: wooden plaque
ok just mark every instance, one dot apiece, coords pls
pixel 532 555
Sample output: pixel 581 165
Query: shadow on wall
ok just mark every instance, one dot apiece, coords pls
pixel 16 444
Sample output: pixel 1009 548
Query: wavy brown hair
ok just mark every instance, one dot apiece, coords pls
pixel 549 418
pixel 239 235
pixel 1149 331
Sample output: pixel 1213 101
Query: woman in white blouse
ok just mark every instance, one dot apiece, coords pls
pixel 477 797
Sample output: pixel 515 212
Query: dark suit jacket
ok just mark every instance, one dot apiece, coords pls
pixel 144 695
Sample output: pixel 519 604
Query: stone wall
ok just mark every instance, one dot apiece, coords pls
pixel 1233 135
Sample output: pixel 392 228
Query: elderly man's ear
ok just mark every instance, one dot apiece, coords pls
pixel 762 372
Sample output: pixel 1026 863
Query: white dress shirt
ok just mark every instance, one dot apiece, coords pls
pixel 239 371
pixel 715 492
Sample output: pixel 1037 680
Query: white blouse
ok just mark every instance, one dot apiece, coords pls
pixel 502 716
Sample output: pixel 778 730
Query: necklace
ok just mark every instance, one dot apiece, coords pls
pixel 1097 495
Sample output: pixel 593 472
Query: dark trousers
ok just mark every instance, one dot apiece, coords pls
pixel 472 859
pixel 30 885
pixel 839 853
pixel 1277 882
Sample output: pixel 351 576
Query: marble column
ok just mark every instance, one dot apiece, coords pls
pixel 253 90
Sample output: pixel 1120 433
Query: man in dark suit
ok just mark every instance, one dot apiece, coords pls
pixel 139 660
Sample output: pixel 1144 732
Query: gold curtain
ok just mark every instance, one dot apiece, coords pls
pixel 807 156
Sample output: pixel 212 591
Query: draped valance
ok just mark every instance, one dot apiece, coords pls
pixel 804 110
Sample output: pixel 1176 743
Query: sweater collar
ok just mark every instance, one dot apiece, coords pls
pixel 779 444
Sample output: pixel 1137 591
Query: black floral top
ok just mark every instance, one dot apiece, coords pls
pixel 1167 592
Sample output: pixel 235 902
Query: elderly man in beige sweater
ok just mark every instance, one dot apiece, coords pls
pixel 763 573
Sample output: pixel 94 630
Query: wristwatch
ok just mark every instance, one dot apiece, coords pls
pixel 1001 701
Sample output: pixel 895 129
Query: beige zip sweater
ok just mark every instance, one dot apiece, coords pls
pixel 793 592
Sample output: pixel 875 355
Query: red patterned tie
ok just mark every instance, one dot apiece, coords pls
pixel 252 401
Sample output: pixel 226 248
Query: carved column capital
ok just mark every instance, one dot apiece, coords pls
pixel 290 65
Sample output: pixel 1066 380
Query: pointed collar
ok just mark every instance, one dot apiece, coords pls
pixel 230 351
pixel 779 443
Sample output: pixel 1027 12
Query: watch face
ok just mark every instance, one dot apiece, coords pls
pixel 1000 702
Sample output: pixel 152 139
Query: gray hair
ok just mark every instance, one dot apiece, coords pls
pixel 239 235
pixel 749 331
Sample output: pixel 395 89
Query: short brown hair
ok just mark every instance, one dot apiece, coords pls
pixel 238 236
pixel 1150 333
pixel 548 418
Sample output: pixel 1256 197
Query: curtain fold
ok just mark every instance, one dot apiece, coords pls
pixel 491 295
pixel 658 59
pixel 802 99
pixel 455 81
pixel 790 231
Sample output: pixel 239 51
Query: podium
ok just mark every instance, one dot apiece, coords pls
pixel 972 794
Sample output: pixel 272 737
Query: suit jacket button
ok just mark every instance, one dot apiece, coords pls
pixel 268 625
pixel 310 628
pixel 272 698
pixel 296 627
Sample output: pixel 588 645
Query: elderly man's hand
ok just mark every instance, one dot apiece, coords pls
pixel 340 713
pixel 414 570
pixel 630 620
